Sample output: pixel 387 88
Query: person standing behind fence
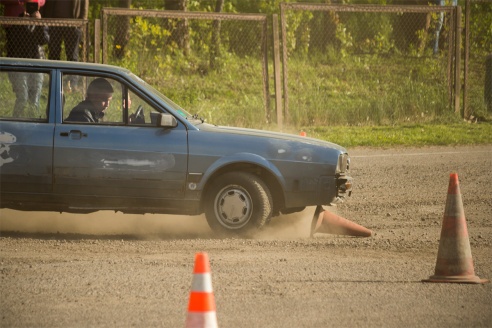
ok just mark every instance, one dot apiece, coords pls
pixel 74 9
pixel 14 8
pixel 25 41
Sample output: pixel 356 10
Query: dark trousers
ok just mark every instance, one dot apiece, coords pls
pixel 71 37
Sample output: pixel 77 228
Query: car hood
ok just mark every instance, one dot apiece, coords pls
pixel 268 134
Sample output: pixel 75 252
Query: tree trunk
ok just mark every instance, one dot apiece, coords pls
pixel 412 28
pixel 122 31
pixel 179 32
pixel 215 46
pixel 323 30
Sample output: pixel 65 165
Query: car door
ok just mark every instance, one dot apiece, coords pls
pixel 114 159
pixel 26 132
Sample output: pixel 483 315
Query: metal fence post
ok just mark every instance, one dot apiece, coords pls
pixel 284 59
pixel 104 37
pixel 457 61
pixel 97 41
pixel 466 110
pixel 451 47
pixel 277 70
pixel 266 86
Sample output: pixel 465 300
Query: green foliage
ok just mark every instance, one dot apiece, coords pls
pixel 372 32
pixel 343 69
pixel 380 44
pixel 481 27
pixel 345 38
pixel 298 32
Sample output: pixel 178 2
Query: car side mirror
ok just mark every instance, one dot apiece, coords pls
pixel 167 121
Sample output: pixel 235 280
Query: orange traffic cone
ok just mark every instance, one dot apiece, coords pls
pixel 454 260
pixel 327 222
pixel 201 308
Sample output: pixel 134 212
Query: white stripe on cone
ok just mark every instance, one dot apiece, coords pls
pixel 202 282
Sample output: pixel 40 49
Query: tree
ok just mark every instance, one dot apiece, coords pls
pixel 215 46
pixel 179 32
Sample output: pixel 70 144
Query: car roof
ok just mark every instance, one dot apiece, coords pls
pixel 24 62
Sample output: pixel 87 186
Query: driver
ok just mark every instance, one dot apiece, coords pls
pixel 91 110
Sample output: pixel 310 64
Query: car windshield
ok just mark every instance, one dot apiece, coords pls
pixel 165 99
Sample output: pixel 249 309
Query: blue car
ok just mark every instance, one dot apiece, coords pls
pixel 81 137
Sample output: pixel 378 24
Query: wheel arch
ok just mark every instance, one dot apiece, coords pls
pixel 254 164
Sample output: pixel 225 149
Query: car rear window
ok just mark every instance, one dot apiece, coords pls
pixel 24 95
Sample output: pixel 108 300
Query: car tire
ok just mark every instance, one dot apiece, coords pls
pixel 238 204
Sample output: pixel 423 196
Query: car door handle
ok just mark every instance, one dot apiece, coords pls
pixel 73 134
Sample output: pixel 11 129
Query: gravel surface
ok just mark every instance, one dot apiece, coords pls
pixel 108 269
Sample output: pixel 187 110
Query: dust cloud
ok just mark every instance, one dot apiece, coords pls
pixel 292 226
pixel 147 226
pixel 153 226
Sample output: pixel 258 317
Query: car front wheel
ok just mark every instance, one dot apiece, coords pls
pixel 238 203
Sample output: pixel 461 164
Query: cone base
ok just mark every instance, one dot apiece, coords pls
pixel 457 279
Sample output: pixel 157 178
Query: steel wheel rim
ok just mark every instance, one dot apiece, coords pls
pixel 233 207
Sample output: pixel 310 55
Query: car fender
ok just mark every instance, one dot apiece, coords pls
pixel 240 158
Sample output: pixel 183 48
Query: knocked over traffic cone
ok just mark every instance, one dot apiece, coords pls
pixel 201 308
pixel 454 260
pixel 327 222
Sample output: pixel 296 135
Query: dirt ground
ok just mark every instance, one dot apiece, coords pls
pixel 113 270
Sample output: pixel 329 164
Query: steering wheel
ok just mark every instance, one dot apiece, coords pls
pixel 139 115
pixel 139 111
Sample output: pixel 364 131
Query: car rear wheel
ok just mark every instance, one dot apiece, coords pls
pixel 238 203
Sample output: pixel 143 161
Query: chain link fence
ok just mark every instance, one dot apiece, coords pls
pixel 341 64
pixel 477 48
pixel 195 57
pixel 66 39
pixel 351 64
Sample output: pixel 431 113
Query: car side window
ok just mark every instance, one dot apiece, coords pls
pixel 24 95
pixel 92 100
pixel 140 112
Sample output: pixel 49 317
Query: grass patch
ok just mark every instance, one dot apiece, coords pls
pixel 405 134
